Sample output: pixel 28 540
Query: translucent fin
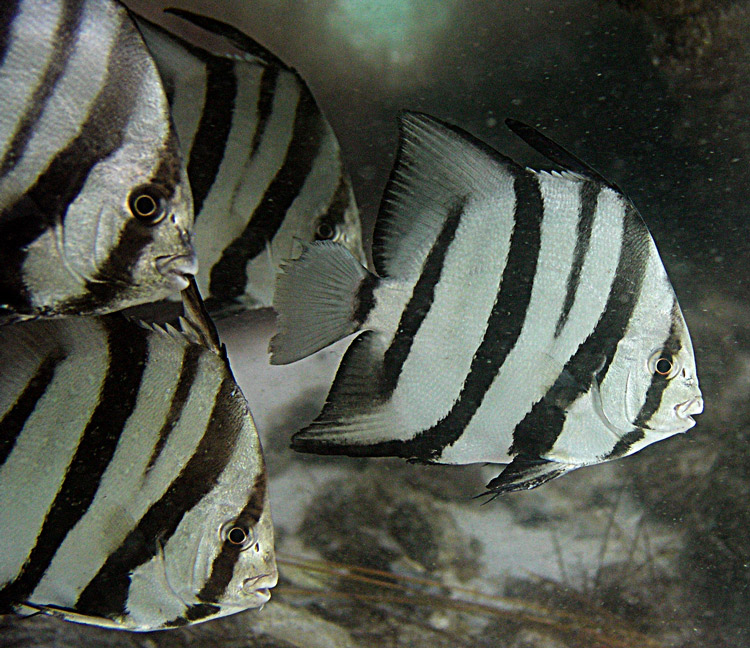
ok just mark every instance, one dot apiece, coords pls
pixel 525 473
pixel 437 167
pixel 316 300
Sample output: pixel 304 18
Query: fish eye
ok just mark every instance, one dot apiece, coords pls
pixel 663 364
pixel 238 535
pixel 324 232
pixel 148 204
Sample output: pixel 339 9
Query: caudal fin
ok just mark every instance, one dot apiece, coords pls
pixel 317 300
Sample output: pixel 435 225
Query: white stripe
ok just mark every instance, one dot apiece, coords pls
pixel 537 359
pixel 27 58
pixel 73 98
pixel 241 183
pixel 46 446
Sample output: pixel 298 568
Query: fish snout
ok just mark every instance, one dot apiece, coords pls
pixel 176 267
pixel 689 408
pixel 259 586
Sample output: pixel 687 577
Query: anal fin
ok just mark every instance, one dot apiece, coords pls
pixel 526 472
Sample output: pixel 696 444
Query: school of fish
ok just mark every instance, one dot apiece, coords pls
pixel 515 316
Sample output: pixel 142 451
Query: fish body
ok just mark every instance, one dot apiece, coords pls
pixel 133 491
pixel 95 208
pixel 518 316
pixel 264 164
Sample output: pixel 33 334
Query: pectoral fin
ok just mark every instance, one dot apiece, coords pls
pixel 526 472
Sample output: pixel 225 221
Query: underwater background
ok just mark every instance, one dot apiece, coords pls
pixel 652 550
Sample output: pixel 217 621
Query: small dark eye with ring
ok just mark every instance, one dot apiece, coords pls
pixel 324 232
pixel 663 366
pixel 238 535
pixel 148 204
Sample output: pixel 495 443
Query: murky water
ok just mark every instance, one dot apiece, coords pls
pixel 652 550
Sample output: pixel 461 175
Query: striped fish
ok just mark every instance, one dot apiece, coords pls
pixel 519 317
pixel 95 209
pixel 264 165
pixel 132 486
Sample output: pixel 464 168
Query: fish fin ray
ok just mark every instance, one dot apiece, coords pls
pixel 316 300
pixel 526 472
pixel 437 165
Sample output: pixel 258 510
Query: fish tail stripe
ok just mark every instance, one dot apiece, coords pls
pixel 505 321
pixel 421 300
pixel 15 419
pixel 117 398
pixel 210 141
pixel 228 275
pixel 188 371
pixel 63 41
pixel 537 432
pixel 8 14
pixel 106 594
pixel 659 383
pixel 589 195
pixel 222 568
pixel 59 185
pixel 268 80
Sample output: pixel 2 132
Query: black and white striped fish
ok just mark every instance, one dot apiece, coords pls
pixel 132 485
pixel 264 165
pixel 95 208
pixel 519 317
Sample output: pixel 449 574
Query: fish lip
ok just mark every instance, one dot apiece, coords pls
pixel 260 585
pixel 176 268
pixel 689 408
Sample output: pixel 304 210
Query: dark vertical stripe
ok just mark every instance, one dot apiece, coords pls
pixel 266 92
pixel 624 444
pixel 335 215
pixel 46 203
pixel 589 196
pixel 222 568
pixel 63 41
pixel 8 14
pixel 107 593
pixel 15 419
pixel 421 300
pixel 659 383
pixel 228 276
pixel 128 354
pixel 537 432
pixel 210 141
pixel 190 361
pixel 503 329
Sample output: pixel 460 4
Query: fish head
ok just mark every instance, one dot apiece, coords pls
pixel 653 392
pixel 127 236
pixel 226 561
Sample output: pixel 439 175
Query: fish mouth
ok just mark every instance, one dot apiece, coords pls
pixel 176 268
pixel 689 408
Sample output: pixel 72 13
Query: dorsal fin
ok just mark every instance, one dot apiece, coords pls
pixel 239 39
pixel 197 322
pixel 556 153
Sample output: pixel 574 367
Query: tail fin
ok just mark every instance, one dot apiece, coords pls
pixel 317 300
